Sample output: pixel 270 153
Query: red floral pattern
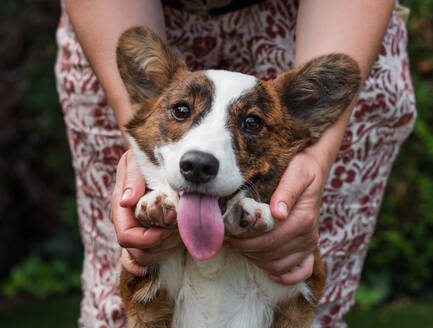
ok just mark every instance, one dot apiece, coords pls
pixel 258 40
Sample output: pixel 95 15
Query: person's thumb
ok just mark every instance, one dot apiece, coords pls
pixel 131 180
pixel 292 185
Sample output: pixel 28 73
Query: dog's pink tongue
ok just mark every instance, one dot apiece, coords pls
pixel 200 225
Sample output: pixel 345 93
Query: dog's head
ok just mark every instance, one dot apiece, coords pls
pixel 216 132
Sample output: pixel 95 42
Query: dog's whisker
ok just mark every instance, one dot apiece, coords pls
pixel 250 186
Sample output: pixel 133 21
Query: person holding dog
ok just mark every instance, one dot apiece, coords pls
pixel 334 187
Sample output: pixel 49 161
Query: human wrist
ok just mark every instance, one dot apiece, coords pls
pixel 123 112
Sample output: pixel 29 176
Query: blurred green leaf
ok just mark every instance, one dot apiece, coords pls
pixel 42 278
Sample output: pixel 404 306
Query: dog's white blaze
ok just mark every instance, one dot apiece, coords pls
pixel 154 174
pixel 212 136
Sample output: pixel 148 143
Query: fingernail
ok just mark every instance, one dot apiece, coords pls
pixel 282 207
pixel 275 278
pixel 126 194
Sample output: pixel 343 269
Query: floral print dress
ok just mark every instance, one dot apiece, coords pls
pixel 260 40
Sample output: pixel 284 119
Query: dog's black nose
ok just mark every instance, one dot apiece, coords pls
pixel 198 167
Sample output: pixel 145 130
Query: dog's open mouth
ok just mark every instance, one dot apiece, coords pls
pixel 222 202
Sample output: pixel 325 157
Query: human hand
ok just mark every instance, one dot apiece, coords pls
pixel 140 246
pixel 287 251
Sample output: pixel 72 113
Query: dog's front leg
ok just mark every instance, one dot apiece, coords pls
pixel 147 303
pixel 248 218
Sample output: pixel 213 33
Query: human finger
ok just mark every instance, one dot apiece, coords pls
pixel 295 180
pixel 131 234
pixel 133 184
pixel 130 265
pixel 297 225
pixel 298 274
pixel 281 265
pixel 303 243
pixel 147 257
pixel 171 241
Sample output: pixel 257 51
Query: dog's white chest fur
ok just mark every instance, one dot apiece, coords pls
pixel 224 292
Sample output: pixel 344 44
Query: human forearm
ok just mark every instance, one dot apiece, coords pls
pixel 355 28
pixel 98 25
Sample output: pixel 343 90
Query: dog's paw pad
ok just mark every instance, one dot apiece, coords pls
pixel 156 209
pixel 261 224
pixel 250 218
pixel 170 217
pixel 253 222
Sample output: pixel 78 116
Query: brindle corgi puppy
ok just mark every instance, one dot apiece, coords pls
pixel 212 146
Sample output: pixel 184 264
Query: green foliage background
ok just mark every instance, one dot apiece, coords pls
pixel 40 249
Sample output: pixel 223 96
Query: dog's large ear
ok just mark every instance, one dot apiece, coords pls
pixel 319 91
pixel 145 63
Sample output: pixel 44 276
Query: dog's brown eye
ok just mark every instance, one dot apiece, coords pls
pixel 252 123
pixel 180 112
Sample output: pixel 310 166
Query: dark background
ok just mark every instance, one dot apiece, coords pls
pixel 40 248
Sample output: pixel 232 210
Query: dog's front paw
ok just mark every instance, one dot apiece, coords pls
pixel 249 218
pixel 156 209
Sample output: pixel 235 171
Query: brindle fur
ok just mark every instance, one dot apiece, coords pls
pixel 296 108
pixel 145 64
pixel 155 314
pixel 153 124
